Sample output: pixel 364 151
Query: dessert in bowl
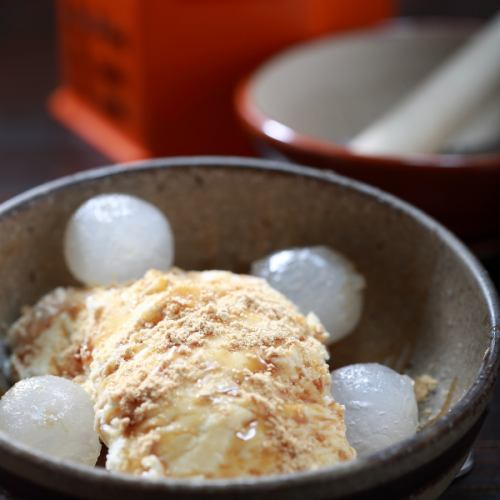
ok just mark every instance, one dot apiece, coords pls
pixel 425 295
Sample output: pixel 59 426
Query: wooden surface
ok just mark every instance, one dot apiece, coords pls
pixel 34 148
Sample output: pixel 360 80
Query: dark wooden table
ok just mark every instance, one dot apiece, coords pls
pixel 34 148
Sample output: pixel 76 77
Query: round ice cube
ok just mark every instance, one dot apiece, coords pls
pixel 380 405
pixel 53 415
pixel 114 238
pixel 318 280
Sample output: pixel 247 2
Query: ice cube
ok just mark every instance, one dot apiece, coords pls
pixel 52 415
pixel 318 280
pixel 114 238
pixel 380 405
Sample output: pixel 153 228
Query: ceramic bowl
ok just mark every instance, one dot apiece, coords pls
pixel 430 307
pixel 307 102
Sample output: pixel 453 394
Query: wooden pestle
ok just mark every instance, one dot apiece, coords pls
pixel 429 116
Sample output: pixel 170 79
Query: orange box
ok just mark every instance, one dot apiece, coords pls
pixel 144 78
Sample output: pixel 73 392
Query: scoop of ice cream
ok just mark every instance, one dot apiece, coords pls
pixel 317 280
pixel 205 374
pixel 380 405
pixel 114 238
pixel 48 337
pixel 52 415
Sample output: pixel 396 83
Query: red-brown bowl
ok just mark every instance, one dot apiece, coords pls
pixel 306 103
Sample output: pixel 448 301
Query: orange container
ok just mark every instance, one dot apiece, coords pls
pixel 144 78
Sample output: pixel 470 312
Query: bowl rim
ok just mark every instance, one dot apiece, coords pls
pixel 258 123
pixel 459 412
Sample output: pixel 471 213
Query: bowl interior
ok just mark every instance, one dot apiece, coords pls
pixel 425 312
pixel 334 88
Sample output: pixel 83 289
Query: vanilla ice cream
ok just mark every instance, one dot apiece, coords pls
pixel 193 374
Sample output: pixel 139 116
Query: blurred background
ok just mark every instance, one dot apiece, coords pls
pixel 35 147
pixel 87 83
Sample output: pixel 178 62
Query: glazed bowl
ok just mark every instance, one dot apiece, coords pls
pixel 430 307
pixel 306 103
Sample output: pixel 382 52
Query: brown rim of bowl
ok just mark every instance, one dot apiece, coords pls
pixel 286 138
pixel 463 409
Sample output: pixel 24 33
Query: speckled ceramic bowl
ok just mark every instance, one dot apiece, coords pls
pixel 430 308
